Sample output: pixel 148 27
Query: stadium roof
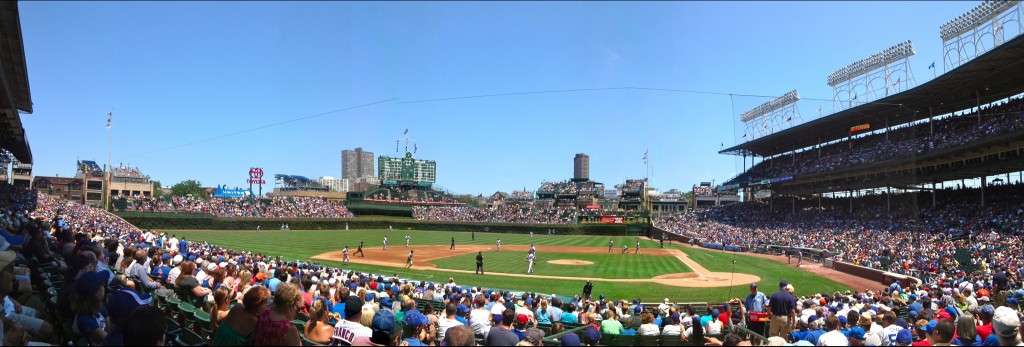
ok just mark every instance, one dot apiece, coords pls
pixel 997 74
pixel 14 89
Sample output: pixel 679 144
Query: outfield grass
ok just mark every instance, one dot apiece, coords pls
pixel 604 265
pixel 305 244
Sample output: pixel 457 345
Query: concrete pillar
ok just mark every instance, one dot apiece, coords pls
pixel 888 198
pixel 851 201
pixel 933 194
pixel 983 183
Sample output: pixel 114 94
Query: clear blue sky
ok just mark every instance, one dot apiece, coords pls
pixel 177 73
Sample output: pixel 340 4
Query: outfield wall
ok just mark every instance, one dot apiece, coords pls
pixel 183 221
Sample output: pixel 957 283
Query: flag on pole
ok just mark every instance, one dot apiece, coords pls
pixel 415 148
pixel 406 131
pixel 932 66
pixel 110 117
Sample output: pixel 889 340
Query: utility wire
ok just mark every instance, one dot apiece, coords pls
pixel 268 125
pixel 467 97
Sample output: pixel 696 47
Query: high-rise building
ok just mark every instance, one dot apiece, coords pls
pixel 581 167
pixel 356 164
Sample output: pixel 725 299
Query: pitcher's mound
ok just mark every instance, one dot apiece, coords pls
pixel 570 262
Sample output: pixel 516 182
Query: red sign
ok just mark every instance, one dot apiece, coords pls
pixel 609 219
pixel 256 176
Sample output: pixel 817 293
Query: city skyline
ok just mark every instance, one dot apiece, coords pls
pixel 499 108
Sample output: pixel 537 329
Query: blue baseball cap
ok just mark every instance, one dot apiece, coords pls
pixel 383 327
pixel 930 326
pixel 384 302
pixel 571 339
pixel 855 333
pixel 414 318
pixel 462 310
pixel 383 321
pixel 904 337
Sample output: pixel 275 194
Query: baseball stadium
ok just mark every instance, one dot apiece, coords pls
pixel 894 218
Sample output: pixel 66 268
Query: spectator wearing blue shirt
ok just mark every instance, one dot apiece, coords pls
pixel 756 301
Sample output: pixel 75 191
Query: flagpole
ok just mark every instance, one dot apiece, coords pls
pixel 110 170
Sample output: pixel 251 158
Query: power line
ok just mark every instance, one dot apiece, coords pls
pixel 268 125
pixel 468 97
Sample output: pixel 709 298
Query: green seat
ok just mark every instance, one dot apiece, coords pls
pixel 648 340
pixel 619 340
pixel 186 308
pixel 203 323
pixel 185 314
pixel 189 338
pixel 671 341
pixel 299 324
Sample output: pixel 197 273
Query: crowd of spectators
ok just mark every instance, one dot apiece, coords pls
pixel 907 141
pixel 411 197
pixel 912 238
pixel 506 213
pixel 274 207
pixel 112 272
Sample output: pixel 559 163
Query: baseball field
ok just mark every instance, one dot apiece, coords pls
pixel 562 265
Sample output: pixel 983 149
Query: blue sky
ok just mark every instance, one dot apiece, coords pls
pixel 177 75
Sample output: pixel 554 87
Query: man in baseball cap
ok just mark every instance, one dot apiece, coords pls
pixel 1006 326
pixel 416 328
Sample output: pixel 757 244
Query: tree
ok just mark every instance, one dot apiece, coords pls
pixel 158 190
pixel 188 187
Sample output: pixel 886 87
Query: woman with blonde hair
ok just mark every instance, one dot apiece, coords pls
pixel 274 326
pixel 242 285
pixel 237 327
pixel 317 328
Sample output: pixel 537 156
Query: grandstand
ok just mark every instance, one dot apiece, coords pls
pixel 15 94
pixel 965 124
pixel 570 193
pixel 296 182
pixel 633 195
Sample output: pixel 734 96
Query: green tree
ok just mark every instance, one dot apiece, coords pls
pixel 188 187
pixel 158 190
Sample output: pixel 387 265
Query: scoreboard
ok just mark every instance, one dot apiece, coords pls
pixel 406 171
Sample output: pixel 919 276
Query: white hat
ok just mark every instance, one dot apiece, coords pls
pixel 776 341
pixel 1005 323
pixel 211 267
pixel 177 259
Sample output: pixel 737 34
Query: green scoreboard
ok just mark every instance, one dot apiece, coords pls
pixel 406 171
